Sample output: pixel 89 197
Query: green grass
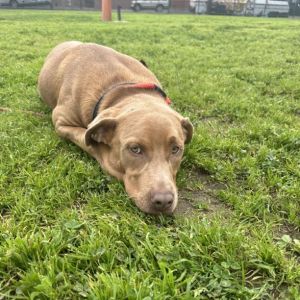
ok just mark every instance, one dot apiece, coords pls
pixel 69 231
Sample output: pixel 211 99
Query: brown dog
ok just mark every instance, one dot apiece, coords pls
pixel 112 106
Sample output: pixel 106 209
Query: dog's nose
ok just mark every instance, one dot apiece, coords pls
pixel 161 201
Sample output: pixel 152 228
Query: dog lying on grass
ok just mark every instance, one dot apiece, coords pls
pixel 113 107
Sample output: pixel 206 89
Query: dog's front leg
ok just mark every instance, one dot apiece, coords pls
pixel 72 133
pixel 76 135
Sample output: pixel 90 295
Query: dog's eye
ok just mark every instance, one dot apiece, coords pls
pixel 175 149
pixel 136 149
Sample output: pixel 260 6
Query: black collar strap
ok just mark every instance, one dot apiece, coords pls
pixel 145 86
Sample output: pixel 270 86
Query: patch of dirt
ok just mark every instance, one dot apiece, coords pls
pixel 6 109
pixel 287 229
pixel 297 112
pixel 4 214
pixel 202 176
pixel 4 211
pixel 202 200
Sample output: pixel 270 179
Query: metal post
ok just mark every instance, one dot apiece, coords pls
pixel 106 10
pixel 119 13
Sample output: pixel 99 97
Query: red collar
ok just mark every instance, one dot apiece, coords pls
pixel 145 86
pixel 152 86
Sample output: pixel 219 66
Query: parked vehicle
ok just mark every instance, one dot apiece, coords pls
pixel 220 7
pixel 17 3
pixel 158 5
pixel 267 8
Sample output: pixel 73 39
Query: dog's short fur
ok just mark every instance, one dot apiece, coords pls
pixel 135 136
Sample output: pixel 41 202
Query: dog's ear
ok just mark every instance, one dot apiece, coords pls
pixel 187 129
pixel 101 132
pixel 144 63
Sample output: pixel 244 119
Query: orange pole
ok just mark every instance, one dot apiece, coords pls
pixel 106 10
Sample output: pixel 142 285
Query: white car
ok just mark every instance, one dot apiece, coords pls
pixel 268 8
pixel 17 3
pixel 158 5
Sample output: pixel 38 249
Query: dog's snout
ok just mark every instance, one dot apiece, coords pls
pixel 162 201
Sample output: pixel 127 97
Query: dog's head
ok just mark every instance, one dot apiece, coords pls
pixel 145 145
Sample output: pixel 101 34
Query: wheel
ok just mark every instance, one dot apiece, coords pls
pixel 159 8
pixel 137 7
pixel 13 3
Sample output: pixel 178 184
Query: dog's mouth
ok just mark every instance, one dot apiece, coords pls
pixel 168 212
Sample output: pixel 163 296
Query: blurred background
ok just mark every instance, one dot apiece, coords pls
pixel 259 8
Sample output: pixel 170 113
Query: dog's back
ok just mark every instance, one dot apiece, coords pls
pixel 77 70
pixel 49 82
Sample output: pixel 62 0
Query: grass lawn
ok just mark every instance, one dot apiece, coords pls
pixel 69 231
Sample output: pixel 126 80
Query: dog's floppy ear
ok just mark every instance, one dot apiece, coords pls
pixel 101 132
pixel 187 129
